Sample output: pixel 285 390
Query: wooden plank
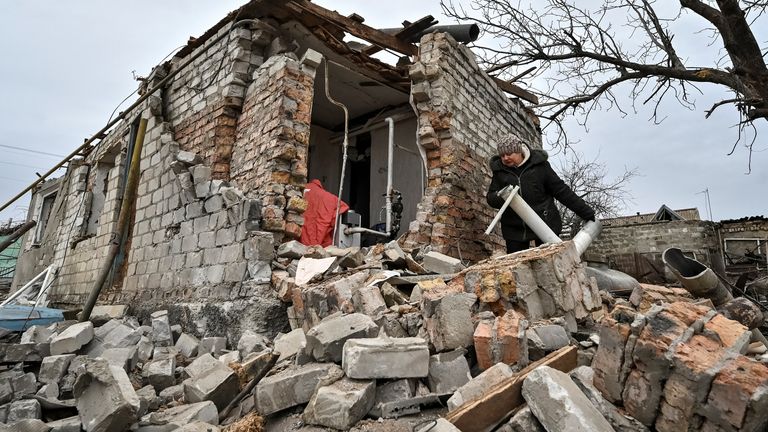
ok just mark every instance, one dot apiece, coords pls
pixel 358 29
pixel 406 32
pixel 482 414
pixel 515 90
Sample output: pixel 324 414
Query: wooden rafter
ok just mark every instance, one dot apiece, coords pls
pixel 406 32
pixel 516 91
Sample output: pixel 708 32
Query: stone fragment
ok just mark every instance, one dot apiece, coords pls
pixel 448 371
pixel 144 349
pixel 394 253
pixel 449 324
pixel 187 345
pixel 385 358
pixel 148 399
pixel 544 339
pixel 441 264
pixel 171 394
pixel 293 386
pixel 230 357
pixel 6 391
pixel 106 400
pixel 522 421
pixel 178 416
pixel 26 409
pixel 104 313
pixel 49 391
pixel 292 249
pixel 502 340
pixel 438 425
pixel 341 404
pixel 392 391
pixel 28 425
pixel 216 383
pixel 72 338
pixel 161 329
pixel 325 341
pixel 200 365
pixel 37 334
pixel 255 362
pixel 583 377
pixel 559 404
pixel 290 344
pixel 69 424
pixel 24 385
pixel 188 158
pixel 198 426
pixel 163 352
pixel 160 373
pixel 368 300
pixel 125 358
pixel 251 342
pixel 479 385
pixel 213 345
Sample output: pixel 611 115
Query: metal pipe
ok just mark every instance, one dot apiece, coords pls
pixel 461 32
pixel 584 237
pixel 124 113
pixel 345 145
pixel 534 222
pixel 390 164
pixel 361 230
pixel 26 286
pixel 26 226
pixel 695 277
pixel 122 221
pixel 612 280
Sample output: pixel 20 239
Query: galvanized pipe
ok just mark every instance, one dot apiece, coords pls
pixel 695 277
pixel 390 164
pixel 461 32
pixel 586 235
pixel 124 217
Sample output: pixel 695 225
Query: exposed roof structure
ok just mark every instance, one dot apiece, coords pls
pixel 664 213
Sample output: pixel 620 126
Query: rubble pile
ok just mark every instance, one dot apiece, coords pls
pixel 383 333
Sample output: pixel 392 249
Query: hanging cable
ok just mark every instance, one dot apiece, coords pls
pixel 344 149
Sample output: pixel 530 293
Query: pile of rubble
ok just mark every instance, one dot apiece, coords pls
pixel 382 333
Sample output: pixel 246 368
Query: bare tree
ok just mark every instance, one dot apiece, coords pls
pixel 583 50
pixel 589 179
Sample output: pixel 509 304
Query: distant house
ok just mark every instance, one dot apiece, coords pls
pixel 664 213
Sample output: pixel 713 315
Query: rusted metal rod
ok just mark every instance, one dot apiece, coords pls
pixel 28 225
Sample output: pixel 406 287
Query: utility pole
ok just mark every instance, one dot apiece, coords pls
pixel 707 202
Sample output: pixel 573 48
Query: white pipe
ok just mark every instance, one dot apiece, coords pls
pixel 344 145
pixel 390 163
pixel 510 194
pixel 25 287
pixel 588 232
pixel 534 222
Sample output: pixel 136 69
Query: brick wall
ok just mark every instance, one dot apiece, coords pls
pixel 460 112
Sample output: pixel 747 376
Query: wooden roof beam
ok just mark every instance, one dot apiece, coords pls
pixel 516 91
pixel 358 29
pixel 406 32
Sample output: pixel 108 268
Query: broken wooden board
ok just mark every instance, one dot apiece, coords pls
pixel 516 91
pixel 406 33
pixel 481 415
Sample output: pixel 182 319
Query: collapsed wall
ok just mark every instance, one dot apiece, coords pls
pixel 460 111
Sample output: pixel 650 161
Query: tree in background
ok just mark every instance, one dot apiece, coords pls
pixel 589 180
pixel 582 50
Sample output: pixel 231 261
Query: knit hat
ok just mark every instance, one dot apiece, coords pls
pixel 509 143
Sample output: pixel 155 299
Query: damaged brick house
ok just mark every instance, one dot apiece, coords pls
pixel 233 137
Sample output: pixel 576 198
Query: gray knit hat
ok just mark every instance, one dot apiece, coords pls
pixel 509 143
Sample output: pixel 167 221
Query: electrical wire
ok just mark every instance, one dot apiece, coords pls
pixel 31 151
pixel 221 62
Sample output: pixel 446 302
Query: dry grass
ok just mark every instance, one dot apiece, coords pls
pixel 242 377
pixel 252 422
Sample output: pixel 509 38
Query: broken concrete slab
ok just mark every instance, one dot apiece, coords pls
pixel 72 338
pixel 125 358
pixel 37 334
pixel 448 371
pixel 341 404
pixel 69 424
pixel 522 421
pixel 106 400
pixel 559 404
pixel 178 416
pixel 251 342
pixel 448 320
pixel 325 341
pixel 293 386
pixel 187 345
pixel 291 249
pixel 200 365
pixel 24 385
pixel 217 384
pixel 544 339
pixel 104 313
pixel 392 391
pixel 441 264
pixel 161 329
pixel 477 387
pixel 29 425
pixel 368 300
pixel 290 344
pixel 385 358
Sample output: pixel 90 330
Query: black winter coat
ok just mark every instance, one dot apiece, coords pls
pixel 539 186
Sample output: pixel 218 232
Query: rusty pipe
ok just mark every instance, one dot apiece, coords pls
pixel 26 226
pixel 695 277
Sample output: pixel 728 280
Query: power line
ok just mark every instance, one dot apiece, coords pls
pixel 31 151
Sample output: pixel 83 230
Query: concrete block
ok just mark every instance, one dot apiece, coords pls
pixel 106 400
pixel 523 421
pixel 385 358
pixel 559 404
pixel 450 325
pixel 251 342
pixel 148 399
pixel 37 334
pixel 187 345
pixel 368 300
pixel 290 344
pixel 181 415
pixel 24 385
pixel 341 404
pixel 200 173
pixel 441 264
pixel 325 341
pixel 293 386
pixel 27 409
pixel 72 338
pixel 103 313
pixel 144 349
pixel 200 365
pixel 255 362
pixel 311 58
pixel 6 392
pixel 479 385
pixel 217 384
pixel 448 371
pixel 69 424
pixel 392 391
pixel 125 358
pixel 53 368
pixel 292 249
pixel 198 426
pixel 214 345
pixel 544 339
pixel 188 158
pixel 161 329
pixel 171 394
pixel 119 336
pixel 214 203
pixel 583 377
pixel 28 425
pixel 164 352
pixel 230 357
pixel 260 271
pixel 438 425
pixel 259 246
pixel 160 373
pixel 49 391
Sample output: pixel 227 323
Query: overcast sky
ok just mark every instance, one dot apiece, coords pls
pixel 66 65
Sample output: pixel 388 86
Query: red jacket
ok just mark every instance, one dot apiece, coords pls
pixel 319 216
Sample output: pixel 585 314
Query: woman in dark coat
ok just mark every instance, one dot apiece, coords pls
pixel 517 164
